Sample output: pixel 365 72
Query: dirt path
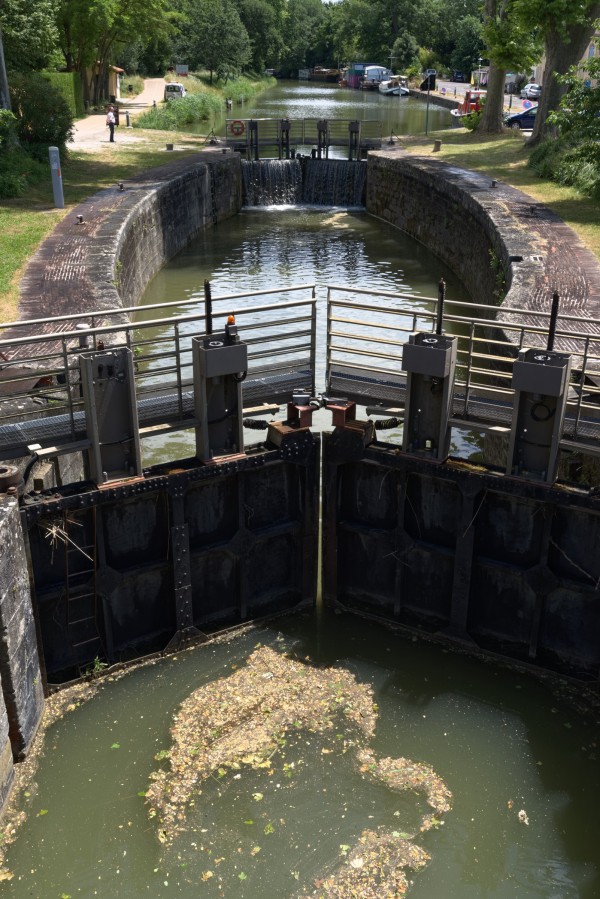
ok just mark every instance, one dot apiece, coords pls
pixel 92 131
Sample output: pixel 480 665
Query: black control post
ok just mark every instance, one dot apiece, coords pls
pixel 440 306
pixel 208 306
pixel 553 318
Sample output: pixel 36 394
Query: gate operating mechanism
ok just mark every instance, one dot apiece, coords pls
pixel 108 387
pixel 220 366
pixel 540 380
pixel 541 383
pixel 430 360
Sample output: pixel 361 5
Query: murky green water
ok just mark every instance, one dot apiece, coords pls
pixel 497 738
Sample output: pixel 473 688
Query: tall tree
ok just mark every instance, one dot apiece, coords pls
pixel 30 34
pixel 261 21
pixel 92 31
pixel 511 45
pixel 218 39
pixel 4 92
pixel 567 26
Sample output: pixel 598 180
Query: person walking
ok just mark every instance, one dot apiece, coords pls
pixel 110 121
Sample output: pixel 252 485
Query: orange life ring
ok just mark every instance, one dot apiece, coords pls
pixel 237 128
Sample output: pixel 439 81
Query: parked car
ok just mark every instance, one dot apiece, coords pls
pixel 174 90
pixel 522 120
pixel 459 77
pixel 531 92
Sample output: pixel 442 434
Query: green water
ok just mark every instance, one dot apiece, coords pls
pixel 262 248
pixel 303 99
pixel 495 737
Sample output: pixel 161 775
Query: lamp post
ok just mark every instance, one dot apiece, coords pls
pixel 479 73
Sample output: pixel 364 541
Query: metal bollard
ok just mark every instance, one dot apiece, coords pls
pixel 127 118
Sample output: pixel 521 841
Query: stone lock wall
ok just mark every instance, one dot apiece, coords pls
pixel 22 699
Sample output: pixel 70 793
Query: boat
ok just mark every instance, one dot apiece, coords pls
pixel 373 76
pixel 395 86
pixel 471 102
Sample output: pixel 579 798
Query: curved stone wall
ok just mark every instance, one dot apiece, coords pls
pixel 502 244
pixel 126 235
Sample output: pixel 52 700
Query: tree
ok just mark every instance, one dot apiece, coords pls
pixel 468 45
pixel 300 32
pixel 219 41
pixel 261 21
pixel 567 26
pixel 4 92
pixel 510 46
pixel 30 34
pixel 405 52
pixel 92 31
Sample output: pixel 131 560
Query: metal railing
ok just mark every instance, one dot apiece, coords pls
pixel 364 354
pixel 39 361
pixel 253 135
pixel 361 359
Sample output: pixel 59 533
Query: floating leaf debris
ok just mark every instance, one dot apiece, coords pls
pixel 240 723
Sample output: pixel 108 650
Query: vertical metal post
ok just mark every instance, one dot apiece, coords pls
pixel 178 368
pixel 313 341
pixel 553 318
pixel 440 306
pixel 57 188
pixel 208 306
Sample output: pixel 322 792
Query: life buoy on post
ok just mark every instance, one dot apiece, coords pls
pixel 237 128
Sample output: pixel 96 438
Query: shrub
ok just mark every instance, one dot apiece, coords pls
pixel 43 115
pixel 545 158
pixel 177 114
pixel 8 128
pixel 567 162
pixel 18 170
pixel 69 85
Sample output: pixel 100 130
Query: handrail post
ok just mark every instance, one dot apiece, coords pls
pixel 553 318
pixel 178 369
pixel 208 306
pixel 440 307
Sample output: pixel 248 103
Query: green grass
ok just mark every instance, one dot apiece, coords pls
pixel 26 221
pixel 505 157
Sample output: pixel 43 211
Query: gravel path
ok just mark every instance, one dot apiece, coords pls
pixel 92 131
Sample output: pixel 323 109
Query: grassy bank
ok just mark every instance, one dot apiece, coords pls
pixel 504 157
pixel 27 221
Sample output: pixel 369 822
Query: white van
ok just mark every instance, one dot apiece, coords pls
pixel 174 90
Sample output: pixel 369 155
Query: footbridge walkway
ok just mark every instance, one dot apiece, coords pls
pixel 355 352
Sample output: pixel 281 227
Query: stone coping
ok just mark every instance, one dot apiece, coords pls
pixel 535 251
pixel 75 269
pixel 79 267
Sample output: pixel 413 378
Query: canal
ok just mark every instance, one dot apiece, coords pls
pixel 305 99
pixel 503 742
pixel 517 753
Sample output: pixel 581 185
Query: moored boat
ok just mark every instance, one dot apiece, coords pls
pixel 396 86
pixel 472 102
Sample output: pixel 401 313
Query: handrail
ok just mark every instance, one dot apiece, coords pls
pixel 285 348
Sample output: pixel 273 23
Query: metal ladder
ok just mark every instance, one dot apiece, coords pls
pixel 80 583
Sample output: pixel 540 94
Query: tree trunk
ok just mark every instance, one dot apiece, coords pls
pixel 491 117
pixel 4 92
pixel 560 55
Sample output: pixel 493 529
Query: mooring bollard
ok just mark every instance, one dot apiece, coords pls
pixel 437 145
pixel 127 118
pixel 169 146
